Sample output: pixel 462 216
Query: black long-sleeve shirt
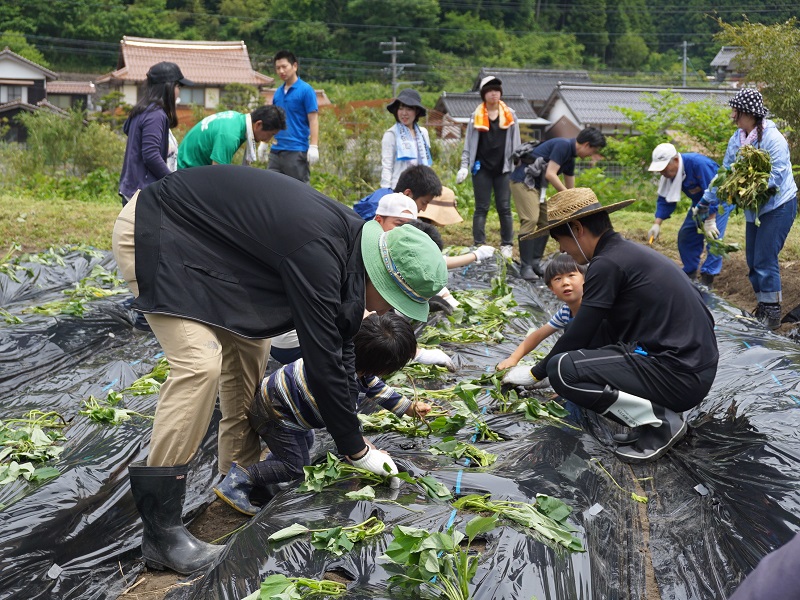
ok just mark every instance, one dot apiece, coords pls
pixel 259 253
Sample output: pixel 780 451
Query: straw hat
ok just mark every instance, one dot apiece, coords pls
pixel 569 205
pixel 441 210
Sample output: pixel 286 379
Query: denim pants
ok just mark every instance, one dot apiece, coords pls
pixel 290 451
pixel 483 183
pixel 762 246
pixel 690 243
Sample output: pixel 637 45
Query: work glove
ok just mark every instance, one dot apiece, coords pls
pixel 540 385
pixel 312 155
pixel 374 461
pixel 445 294
pixel 710 228
pixel 700 212
pixel 654 232
pixel 483 252
pixel 438 304
pixel 520 375
pixel 461 176
pixel 434 356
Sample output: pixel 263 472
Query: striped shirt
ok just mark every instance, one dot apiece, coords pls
pixel 560 319
pixel 286 390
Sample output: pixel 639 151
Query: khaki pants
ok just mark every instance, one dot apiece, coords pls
pixel 532 214
pixel 204 360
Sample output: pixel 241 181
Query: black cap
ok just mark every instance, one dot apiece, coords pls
pixel 166 72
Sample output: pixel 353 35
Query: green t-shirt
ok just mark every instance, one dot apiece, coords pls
pixel 216 138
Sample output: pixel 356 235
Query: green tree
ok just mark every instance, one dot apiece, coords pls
pixel 464 34
pixel 772 56
pixel 587 20
pixel 239 97
pixel 630 52
pixel 16 42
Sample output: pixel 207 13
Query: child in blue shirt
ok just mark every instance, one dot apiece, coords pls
pixel 285 413
pixel 564 277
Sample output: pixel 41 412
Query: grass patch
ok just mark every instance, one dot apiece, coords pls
pixel 38 223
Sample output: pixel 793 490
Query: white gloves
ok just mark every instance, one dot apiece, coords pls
pixel 312 155
pixel 520 375
pixel 461 176
pixel 710 228
pixel 445 294
pixel 483 252
pixel 434 356
pixel 374 461
pixel 655 230
pixel 540 385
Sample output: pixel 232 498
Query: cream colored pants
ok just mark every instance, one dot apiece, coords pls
pixel 532 214
pixel 204 360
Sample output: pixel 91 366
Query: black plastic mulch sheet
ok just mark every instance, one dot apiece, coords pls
pixel 722 499
pixel 71 537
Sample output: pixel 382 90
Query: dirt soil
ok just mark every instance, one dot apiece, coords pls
pixel 219 519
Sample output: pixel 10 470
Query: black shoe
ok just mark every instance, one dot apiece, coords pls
pixel 692 276
pixel 629 437
pixel 707 280
pixel 159 493
pixel 655 440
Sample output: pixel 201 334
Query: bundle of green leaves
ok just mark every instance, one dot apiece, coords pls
pixel 480 317
pixel 83 291
pixel 280 587
pixel 435 563
pixel 336 540
pixel 28 440
pixel 332 471
pixel 449 446
pixel 745 184
pixel 385 420
pixel 547 516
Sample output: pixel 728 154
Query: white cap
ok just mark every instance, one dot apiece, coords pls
pixel 662 154
pixel 397 205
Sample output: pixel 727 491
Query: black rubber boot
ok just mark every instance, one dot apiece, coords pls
pixel 526 250
pixel 692 275
pixel 769 314
pixel 630 437
pixel 707 279
pixel 655 440
pixel 539 244
pixel 166 543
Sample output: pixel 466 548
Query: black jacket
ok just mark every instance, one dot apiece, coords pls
pixel 259 253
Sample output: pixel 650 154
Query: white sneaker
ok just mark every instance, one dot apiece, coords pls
pixel 507 252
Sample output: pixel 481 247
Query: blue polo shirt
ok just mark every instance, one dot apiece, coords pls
pixel 296 103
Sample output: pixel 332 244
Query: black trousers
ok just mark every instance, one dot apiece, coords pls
pixel 483 184
pixel 291 163
pixel 582 375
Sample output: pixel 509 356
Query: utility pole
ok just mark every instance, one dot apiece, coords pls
pixel 684 62
pixel 397 68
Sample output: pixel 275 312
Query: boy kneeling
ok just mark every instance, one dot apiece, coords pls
pixel 285 414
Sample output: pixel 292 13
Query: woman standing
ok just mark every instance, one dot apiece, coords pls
pixel 492 135
pixel 405 144
pixel 763 242
pixel 150 142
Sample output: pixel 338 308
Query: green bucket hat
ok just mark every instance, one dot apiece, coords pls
pixel 405 266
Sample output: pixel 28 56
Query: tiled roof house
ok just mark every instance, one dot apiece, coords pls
pixel 23 88
pixel 453 111
pixel 725 64
pixel 535 85
pixel 571 107
pixel 209 65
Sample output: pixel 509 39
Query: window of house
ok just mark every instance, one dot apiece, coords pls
pixel 14 92
pixel 61 101
pixel 193 95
